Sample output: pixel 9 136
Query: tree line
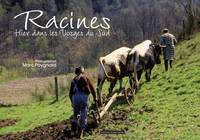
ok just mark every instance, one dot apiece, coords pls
pixel 131 22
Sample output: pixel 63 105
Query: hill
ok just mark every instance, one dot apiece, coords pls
pixel 63 31
pixel 167 107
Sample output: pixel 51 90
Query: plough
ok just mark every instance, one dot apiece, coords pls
pixel 127 93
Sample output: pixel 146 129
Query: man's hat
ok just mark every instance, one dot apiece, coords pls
pixel 79 69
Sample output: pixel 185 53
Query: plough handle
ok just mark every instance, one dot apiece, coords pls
pixel 98 111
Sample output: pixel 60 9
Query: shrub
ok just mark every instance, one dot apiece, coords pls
pixel 38 96
pixel 51 88
pixel 62 87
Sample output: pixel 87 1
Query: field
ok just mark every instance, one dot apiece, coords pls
pixel 167 107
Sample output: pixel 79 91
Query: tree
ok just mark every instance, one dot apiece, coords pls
pixel 189 10
pixel 1 21
pixel 24 45
pixel 142 21
pixel 62 4
pixel 67 52
pixel 41 45
pixel 187 5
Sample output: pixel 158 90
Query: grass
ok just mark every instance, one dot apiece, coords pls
pixel 36 113
pixel 38 95
pixel 8 75
pixel 10 79
pixel 174 97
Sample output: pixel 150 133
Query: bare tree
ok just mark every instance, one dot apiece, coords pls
pixel 187 5
pixel 147 20
pixel 189 9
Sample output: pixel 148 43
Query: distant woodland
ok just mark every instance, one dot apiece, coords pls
pixel 131 22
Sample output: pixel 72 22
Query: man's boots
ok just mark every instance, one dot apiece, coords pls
pixel 80 132
pixel 171 63
pixel 74 127
pixel 166 65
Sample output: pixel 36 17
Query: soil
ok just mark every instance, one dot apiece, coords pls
pixel 62 130
pixel 14 92
pixel 7 122
pixel 17 91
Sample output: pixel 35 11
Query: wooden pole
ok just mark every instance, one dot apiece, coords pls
pixel 183 30
pixel 56 87
pixel 109 103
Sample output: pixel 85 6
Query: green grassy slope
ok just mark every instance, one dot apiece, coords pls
pixel 173 98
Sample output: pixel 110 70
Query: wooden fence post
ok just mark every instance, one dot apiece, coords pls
pixel 183 30
pixel 56 87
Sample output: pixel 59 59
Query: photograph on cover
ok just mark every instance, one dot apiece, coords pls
pixel 99 69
